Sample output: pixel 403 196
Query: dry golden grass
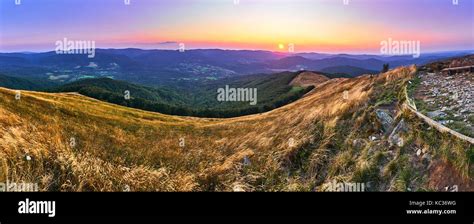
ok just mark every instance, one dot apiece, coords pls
pixel 118 148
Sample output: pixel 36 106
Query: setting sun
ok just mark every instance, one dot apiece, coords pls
pixel 281 46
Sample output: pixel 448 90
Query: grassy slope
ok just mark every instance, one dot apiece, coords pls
pixel 296 147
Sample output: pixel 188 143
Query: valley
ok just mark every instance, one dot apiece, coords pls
pixel 274 90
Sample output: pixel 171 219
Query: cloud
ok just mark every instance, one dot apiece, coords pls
pixel 167 42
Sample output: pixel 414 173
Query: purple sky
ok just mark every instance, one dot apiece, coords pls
pixel 311 25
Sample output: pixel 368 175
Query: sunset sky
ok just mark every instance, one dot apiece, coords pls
pixel 311 25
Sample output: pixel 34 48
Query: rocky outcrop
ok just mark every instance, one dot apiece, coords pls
pixel 385 119
pixel 394 137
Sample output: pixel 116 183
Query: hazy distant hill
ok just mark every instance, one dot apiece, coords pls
pixel 174 68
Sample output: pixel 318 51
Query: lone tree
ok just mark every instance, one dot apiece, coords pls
pixel 385 68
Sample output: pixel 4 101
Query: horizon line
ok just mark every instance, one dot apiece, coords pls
pixel 255 50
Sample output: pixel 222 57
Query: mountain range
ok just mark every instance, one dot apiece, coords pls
pixel 174 68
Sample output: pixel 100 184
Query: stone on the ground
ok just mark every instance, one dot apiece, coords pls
pixel 385 119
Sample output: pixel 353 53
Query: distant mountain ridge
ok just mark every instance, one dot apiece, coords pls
pixel 174 68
